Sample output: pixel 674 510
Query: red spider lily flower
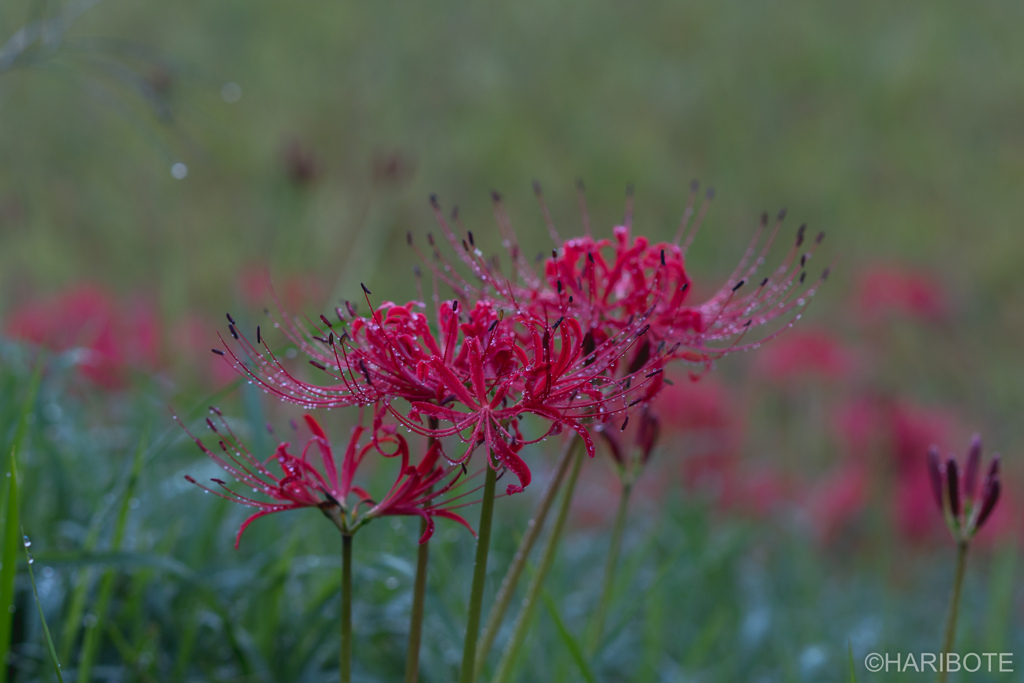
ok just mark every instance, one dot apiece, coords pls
pixel 965 507
pixel 617 285
pixel 480 373
pixel 112 338
pixel 571 355
pixel 314 478
pixel 885 289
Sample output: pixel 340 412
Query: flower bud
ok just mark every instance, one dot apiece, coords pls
pixel 647 436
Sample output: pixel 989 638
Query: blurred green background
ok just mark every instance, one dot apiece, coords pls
pixel 893 127
pixel 313 133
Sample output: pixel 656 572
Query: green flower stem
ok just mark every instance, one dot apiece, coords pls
pixel 419 594
pixel 610 567
pixel 508 585
pixel 476 595
pixel 954 604
pixel 533 593
pixel 346 608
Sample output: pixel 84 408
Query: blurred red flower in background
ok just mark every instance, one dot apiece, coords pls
pixel 887 289
pixel 805 353
pixel 113 337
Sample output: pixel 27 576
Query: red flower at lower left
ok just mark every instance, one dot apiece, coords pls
pixel 314 478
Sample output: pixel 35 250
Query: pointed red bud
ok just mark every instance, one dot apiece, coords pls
pixel 953 483
pixel 971 469
pixel 614 445
pixel 990 496
pixel 647 436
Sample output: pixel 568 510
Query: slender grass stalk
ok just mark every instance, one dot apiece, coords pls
pixel 533 592
pixel 9 522
pixel 515 569
pixel 91 641
pixel 346 608
pixel 610 567
pixel 476 594
pixel 954 604
pixel 419 594
pixel 8 563
pixel 52 651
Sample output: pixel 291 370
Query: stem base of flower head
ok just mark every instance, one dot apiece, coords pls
pixel 476 595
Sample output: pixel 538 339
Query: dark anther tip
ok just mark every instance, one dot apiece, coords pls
pixel 218 352
pixel 710 194
pixel 579 184
pixel 433 201
pixel 662 257
pixel 825 273
pixel 738 285
pixel 764 282
pixel 781 214
pixel 764 218
pixel 820 237
pixel 259 337
pixel 694 185
pixel 803 276
pixel 469 233
pixel 364 288
pixel 408 238
pixel 455 212
pixel 495 196
pixel 536 186
pixel 230 319
pixel 630 189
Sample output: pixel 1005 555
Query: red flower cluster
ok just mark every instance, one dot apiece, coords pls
pixel 330 487
pixel 112 339
pixel 583 342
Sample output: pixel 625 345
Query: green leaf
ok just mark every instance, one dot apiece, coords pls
pixel 571 644
pixel 90 644
pixel 42 618
pixel 9 522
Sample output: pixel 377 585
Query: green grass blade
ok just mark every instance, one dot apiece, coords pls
pixel 8 568
pixel 571 644
pixel 91 642
pixel 42 618
pixel 10 524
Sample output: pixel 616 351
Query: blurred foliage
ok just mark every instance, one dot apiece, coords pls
pixel 312 135
pixel 700 596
